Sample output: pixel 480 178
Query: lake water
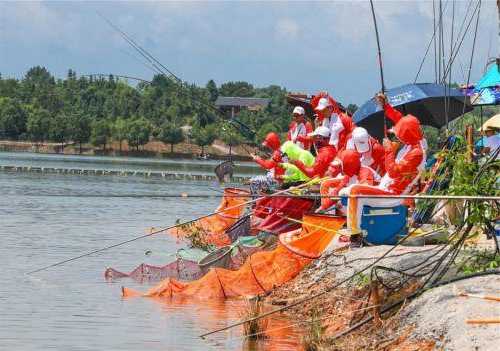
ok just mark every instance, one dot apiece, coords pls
pixel 48 218
pixel 121 163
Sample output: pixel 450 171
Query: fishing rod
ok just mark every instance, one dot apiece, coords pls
pixel 164 70
pixel 102 75
pixel 281 193
pixel 161 230
pixel 379 62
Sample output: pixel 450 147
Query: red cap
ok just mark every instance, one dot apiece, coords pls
pixel 272 141
pixel 351 162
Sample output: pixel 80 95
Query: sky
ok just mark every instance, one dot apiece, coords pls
pixel 303 46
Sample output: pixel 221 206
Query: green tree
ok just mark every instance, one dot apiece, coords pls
pixel 38 124
pixel 212 91
pixel 13 118
pixel 59 128
pixel 264 130
pixel 119 131
pixel 171 134
pixel 204 136
pixel 79 129
pixel 230 136
pixel 242 89
pixel 100 133
pixel 138 132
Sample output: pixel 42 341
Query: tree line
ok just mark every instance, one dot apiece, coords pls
pixel 101 109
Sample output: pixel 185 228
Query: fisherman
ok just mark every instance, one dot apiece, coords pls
pixel 492 142
pixel 299 128
pixel 369 149
pixel 326 154
pixel 273 143
pixel 352 172
pixel 402 168
pixel 273 178
pixel 292 152
pixel 338 123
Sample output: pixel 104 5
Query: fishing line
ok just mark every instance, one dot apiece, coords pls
pixel 458 44
pixel 379 62
pixel 428 48
pixel 472 52
pixel 165 229
pixel 155 64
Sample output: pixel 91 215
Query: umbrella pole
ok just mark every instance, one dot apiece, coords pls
pixel 379 60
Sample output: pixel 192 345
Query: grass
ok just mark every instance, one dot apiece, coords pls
pixel 255 329
pixel 313 338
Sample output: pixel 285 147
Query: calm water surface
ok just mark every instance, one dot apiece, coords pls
pixel 47 218
pixel 120 163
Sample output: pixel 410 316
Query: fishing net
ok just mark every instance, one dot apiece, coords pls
pixel 212 230
pixel 239 229
pixel 277 211
pixel 261 272
pixel 224 171
pixel 193 263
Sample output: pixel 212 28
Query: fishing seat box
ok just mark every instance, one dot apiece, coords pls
pixel 383 225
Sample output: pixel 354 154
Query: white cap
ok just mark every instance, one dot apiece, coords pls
pixel 322 131
pixel 299 110
pixel 322 104
pixel 361 139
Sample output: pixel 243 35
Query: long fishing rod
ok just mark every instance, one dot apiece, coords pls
pixel 379 62
pixel 281 194
pixel 429 46
pixel 103 75
pixel 460 39
pixel 169 74
pixel 168 228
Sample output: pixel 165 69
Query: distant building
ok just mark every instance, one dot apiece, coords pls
pixel 232 105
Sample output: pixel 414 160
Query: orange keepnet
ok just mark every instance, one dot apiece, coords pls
pixel 213 228
pixel 262 271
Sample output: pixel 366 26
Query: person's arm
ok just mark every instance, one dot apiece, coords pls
pixel 378 155
pixel 409 164
pixel 393 114
pixel 366 177
pixel 342 184
pixel 266 164
pixel 318 168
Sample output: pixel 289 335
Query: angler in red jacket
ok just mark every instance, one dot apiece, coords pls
pixel 371 152
pixel 402 168
pixel 272 141
pixel 330 116
pixel 299 128
pixel 352 172
pixel 326 154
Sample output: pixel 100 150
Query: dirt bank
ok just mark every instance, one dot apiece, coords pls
pixel 434 320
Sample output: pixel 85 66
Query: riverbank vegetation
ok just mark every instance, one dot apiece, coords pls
pixel 99 110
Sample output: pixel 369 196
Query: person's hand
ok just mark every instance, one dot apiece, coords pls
pixel 381 99
pixel 252 155
pixel 387 143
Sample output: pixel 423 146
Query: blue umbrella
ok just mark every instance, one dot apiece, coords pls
pixel 426 101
